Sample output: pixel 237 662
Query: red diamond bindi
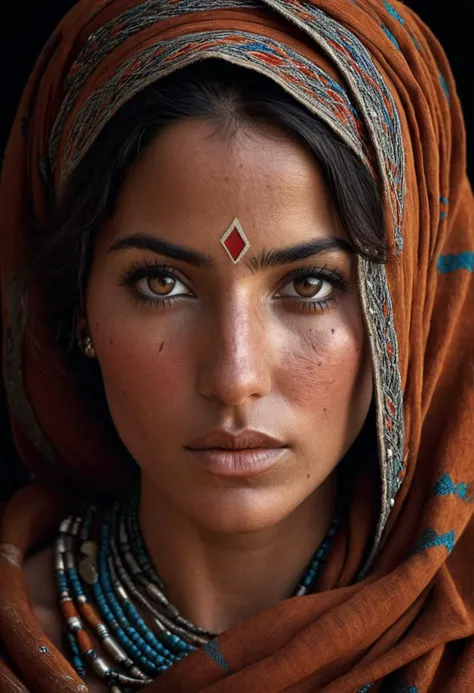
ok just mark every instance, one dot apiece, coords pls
pixel 235 241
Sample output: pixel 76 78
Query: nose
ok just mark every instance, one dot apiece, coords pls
pixel 236 364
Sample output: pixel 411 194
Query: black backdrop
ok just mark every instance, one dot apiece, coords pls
pixel 26 27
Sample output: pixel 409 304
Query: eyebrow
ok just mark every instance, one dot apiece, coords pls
pixel 263 260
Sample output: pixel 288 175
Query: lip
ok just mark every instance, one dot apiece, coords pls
pixel 247 453
pixel 234 463
pixel 236 441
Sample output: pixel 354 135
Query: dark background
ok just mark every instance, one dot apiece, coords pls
pixel 27 26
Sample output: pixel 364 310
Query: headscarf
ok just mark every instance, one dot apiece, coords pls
pixel 401 619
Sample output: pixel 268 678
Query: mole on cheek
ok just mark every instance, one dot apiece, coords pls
pixel 161 347
pixel 333 331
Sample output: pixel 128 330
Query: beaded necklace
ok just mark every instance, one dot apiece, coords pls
pixel 102 584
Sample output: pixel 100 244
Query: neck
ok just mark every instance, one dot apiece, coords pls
pixel 216 580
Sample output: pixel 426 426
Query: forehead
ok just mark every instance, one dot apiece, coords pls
pixel 193 180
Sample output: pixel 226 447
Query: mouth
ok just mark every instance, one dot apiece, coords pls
pixel 244 462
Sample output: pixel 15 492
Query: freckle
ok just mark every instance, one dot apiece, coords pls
pixel 97 325
pixel 161 346
pixel 333 331
pixel 320 364
pixel 324 409
pixel 124 393
pixel 308 475
pixel 111 341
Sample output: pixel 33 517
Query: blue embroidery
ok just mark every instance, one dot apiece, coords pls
pixel 365 688
pixel 390 36
pixel 444 202
pixel 446 487
pixel 393 12
pixel 260 46
pixel 430 538
pixel 444 84
pixel 452 263
pixel 213 651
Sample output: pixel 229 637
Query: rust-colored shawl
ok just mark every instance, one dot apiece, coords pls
pixel 401 619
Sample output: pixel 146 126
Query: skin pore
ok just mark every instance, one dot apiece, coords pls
pixel 192 347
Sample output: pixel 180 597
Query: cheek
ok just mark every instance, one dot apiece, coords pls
pixel 327 369
pixel 145 369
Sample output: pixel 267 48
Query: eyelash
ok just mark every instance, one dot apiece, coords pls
pixel 131 277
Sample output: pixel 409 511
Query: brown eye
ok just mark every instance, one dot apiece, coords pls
pixel 308 287
pixel 161 286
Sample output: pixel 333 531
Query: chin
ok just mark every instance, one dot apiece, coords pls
pixel 240 510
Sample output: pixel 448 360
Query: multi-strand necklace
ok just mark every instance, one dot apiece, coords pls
pixel 121 628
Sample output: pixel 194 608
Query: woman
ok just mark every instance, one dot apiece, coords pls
pixel 237 251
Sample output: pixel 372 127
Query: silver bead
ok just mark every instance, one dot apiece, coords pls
pixel 132 563
pixel 100 667
pixel 88 570
pixel 153 592
pixel 75 526
pixel 392 502
pixel 74 624
pixel 114 649
pixel 89 548
pixel 138 673
pixel 102 631
pixel 121 593
pixel 65 524
pixel 159 625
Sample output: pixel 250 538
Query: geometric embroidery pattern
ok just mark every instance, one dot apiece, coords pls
pixel 446 487
pixel 453 263
pixel 430 538
pixel 212 649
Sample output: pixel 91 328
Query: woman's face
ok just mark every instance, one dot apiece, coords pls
pixel 190 343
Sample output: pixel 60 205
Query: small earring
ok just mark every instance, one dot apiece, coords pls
pixel 87 347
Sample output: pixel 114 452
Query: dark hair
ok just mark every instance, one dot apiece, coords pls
pixel 228 95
